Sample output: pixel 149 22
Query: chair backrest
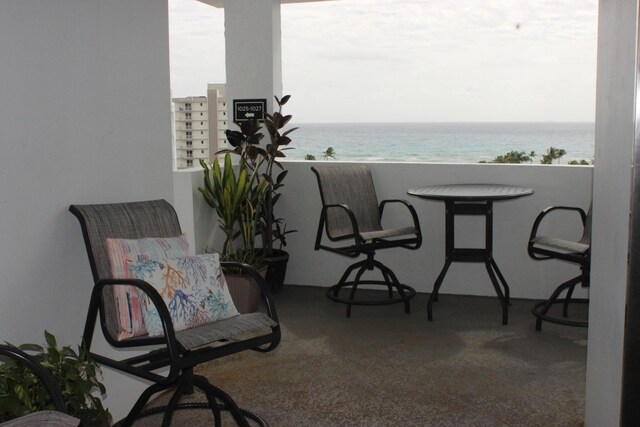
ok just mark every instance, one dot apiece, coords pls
pixel 134 220
pixel 350 185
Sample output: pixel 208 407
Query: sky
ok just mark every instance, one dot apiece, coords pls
pixel 412 60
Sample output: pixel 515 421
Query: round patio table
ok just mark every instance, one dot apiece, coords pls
pixel 471 199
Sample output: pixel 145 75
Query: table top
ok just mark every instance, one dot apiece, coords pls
pixel 470 192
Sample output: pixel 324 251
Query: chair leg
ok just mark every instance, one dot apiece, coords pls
pixel 392 280
pixel 209 389
pixel 141 402
pixel 354 287
pixel 567 300
pixel 541 309
pixel 183 385
pixel 405 293
pixel 346 275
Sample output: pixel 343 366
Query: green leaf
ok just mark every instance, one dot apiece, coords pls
pixel 283 122
pixel 50 339
pixel 281 176
pixel 287 132
pixel 284 100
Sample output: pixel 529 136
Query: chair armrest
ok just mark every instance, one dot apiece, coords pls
pixel 541 216
pixel 169 338
pixel 354 228
pixel 260 281
pixel 409 206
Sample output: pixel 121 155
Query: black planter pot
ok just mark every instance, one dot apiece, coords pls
pixel 276 268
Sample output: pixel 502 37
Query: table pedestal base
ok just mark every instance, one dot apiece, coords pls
pixel 484 255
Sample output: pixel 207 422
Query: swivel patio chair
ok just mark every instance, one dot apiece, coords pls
pixel 542 247
pixel 57 417
pixel 352 216
pixel 181 350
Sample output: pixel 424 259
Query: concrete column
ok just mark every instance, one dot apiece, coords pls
pixel 253 50
pixel 612 177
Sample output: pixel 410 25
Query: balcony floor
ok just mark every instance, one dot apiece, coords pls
pixel 383 367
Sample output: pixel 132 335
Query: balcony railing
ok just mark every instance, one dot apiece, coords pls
pixel 299 206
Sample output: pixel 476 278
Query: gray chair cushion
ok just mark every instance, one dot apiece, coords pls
pixel 385 234
pixel 560 244
pixel 224 329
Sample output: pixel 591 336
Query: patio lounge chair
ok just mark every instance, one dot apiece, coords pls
pixel 542 247
pixel 181 350
pixel 56 418
pixel 351 215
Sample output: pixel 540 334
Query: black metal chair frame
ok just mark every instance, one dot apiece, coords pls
pixel 180 360
pixel 360 247
pixel 541 309
pixel 43 375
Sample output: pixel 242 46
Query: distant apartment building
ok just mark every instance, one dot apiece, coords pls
pixel 218 116
pixel 199 125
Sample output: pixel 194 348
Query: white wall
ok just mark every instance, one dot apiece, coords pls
pixel 615 131
pixel 72 75
pixel 553 185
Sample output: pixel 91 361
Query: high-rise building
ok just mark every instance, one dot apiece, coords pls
pixel 199 126
pixel 218 116
pixel 191 130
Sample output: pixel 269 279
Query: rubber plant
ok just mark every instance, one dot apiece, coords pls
pixel 246 143
pixel 77 375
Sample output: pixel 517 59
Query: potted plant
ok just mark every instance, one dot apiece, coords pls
pixel 237 199
pixel 75 373
pixel 246 142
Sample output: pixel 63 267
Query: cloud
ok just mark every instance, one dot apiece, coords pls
pixel 415 51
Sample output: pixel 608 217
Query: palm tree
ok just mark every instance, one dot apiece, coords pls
pixel 515 157
pixel 552 154
pixel 329 153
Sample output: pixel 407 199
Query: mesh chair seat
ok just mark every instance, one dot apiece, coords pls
pixel 224 329
pixel 43 418
pixel 385 234
pixel 564 245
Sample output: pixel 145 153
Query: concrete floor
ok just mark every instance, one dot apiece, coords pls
pixel 382 367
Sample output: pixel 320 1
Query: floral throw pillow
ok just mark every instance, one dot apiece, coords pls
pixel 193 289
pixel 121 251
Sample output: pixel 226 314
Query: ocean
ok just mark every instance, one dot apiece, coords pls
pixel 440 142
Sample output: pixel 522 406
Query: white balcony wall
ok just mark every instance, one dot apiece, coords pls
pixel 67 65
pixel 300 207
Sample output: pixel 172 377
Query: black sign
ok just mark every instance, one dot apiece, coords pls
pixel 249 109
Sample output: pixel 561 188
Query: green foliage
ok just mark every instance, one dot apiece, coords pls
pixel 582 162
pixel 237 200
pixel 309 157
pixel 272 228
pixel 77 375
pixel 329 153
pixel 266 162
pixel 551 155
pixel 547 158
pixel 515 157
